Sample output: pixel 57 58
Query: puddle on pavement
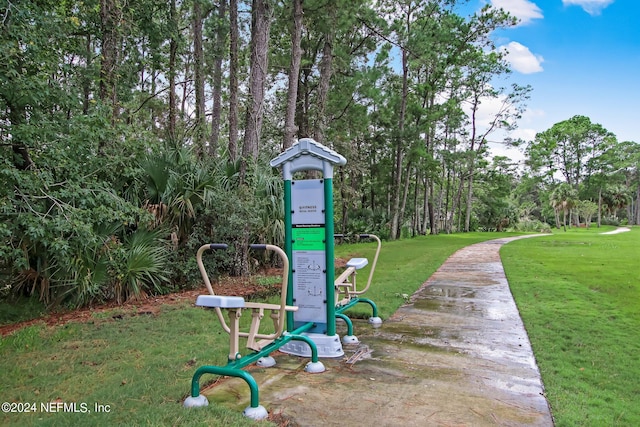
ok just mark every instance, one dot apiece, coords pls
pixel 449 291
pixel 425 337
pixel 453 307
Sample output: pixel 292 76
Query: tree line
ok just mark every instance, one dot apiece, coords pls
pixel 132 132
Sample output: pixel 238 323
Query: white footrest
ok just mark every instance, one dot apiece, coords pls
pixel 219 301
pixel 358 263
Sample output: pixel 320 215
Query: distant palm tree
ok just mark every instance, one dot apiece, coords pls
pixel 563 198
pixel 616 197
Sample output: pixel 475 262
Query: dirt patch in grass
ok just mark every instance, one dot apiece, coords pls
pixel 241 286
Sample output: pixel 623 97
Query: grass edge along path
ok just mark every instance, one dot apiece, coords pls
pixel 578 293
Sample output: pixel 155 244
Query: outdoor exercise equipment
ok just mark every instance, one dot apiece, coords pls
pixel 347 293
pixel 311 297
pixel 309 241
pixel 260 344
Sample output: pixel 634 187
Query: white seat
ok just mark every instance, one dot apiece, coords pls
pixel 220 301
pixel 358 263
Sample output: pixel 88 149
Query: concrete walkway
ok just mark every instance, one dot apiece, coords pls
pixel 618 230
pixel 456 355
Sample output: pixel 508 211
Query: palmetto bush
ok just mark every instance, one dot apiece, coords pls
pixel 139 265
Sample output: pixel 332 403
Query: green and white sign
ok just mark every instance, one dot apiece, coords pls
pixel 309 239
pixel 308 219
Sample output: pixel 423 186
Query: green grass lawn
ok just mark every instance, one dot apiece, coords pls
pixel 578 293
pixel 139 366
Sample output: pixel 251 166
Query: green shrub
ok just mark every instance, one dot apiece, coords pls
pixel 532 225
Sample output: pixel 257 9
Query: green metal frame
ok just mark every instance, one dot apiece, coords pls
pixel 329 256
pixel 234 367
pixel 354 301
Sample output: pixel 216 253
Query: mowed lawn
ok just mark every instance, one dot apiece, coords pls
pixel 578 293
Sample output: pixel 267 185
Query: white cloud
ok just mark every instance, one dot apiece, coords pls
pixel 489 107
pixel 531 115
pixel 592 7
pixel 486 114
pixel 525 10
pixel 516 155
pixel 521 58
pixel 525 134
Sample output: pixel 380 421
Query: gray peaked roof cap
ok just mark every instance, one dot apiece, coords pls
pixel 308 154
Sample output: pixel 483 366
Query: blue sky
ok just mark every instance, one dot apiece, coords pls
pixel 582 57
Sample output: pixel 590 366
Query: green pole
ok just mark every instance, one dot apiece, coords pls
pixel 288 249
pixel 328 226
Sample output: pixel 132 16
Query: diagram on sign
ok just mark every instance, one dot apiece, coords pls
pixel 310 284
pixel 314 266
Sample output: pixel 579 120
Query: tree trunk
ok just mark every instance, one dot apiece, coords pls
pixel 216 110
pixel 198 63
pixel 234 36
pixel 472 162
pixel 86 80
pixel 415 223
pixel 469 201
pixel 599 207
pixel 302 108
pixel 185 88
pixel 405 193
pixel 433 226
pixel 399 152
pixel 109 20
pixel 326 70
pixel 425 207
pixel 260 26
pixel 290 128
pixel 173 53
pixel 457 200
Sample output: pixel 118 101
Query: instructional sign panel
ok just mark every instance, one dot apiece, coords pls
pixel 309 251
pixel 309 277
pixel 307 202
pixel 308 239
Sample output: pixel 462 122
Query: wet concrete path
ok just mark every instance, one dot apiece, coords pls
pixel 456 355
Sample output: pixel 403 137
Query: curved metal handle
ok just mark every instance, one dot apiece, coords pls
pixel 375 259
pixel 214 246
pixel 285 284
